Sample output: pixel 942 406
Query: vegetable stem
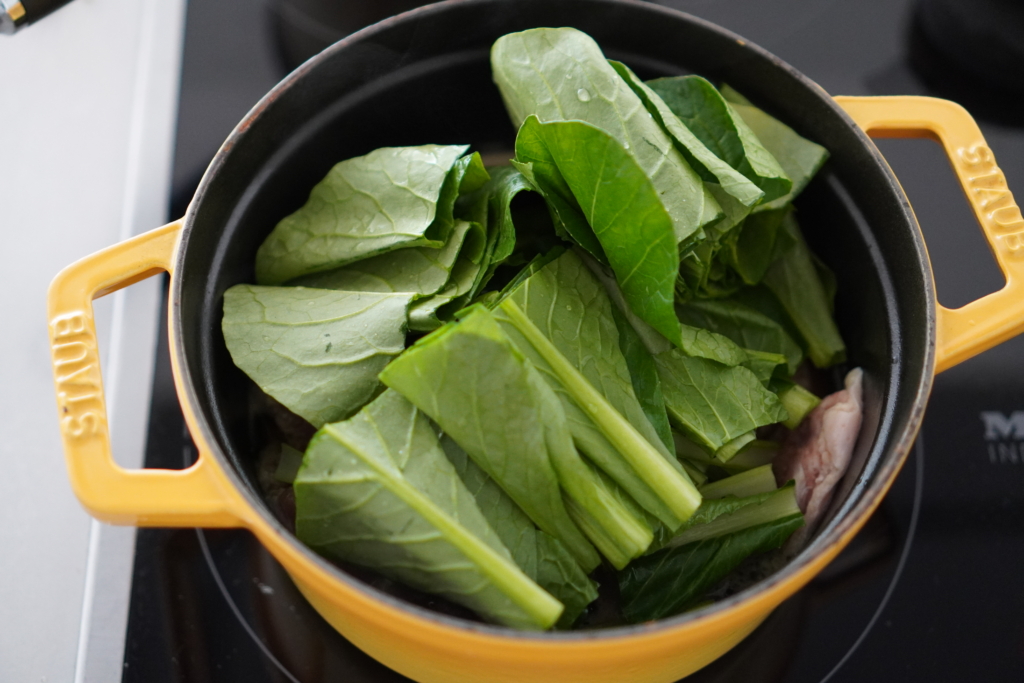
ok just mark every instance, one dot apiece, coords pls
pixel 775 506
pixel 669 483
pixel 757 480
pixel 508 577
pixel 798 402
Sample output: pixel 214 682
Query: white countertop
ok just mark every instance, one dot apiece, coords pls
pixel 88 103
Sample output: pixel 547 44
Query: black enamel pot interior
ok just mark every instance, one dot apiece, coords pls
pixel 424 77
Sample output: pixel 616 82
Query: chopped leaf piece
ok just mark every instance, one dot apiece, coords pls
pixel 671 580
pixel 466 277
pixel 480 389
pixel 345 218
pixel 742 324
pixel 714 404
pixel 643 373
pixel 537 164
pixel 660 472
pixel 754 481
pixel 799 157
pixel 722 516
pixel 317 351
pixel 705 112
pixel 755 244
pixel 288 464
pixel 560 318
pixel 541 556
pixel 378 491
pixel 798 403
pixel 765 365
pixel 626 214
pixel 710 167
pixel 560 74
pixel 793 279
pixel 419 270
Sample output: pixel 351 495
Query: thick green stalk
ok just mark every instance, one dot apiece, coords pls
pixel 798 402
pixel 757 480
pixel 503 573
pixel 671 486
pixel 775 506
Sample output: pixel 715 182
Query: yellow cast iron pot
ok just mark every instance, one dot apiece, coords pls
pixel 424 77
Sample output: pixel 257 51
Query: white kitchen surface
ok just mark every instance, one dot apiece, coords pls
pixel 87 104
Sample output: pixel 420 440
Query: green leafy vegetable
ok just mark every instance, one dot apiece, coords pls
pixel 726 515
pixel 561 319
pixel 793 279
pixel 473 382
pixel 345 218
pixel 378 491
pixel 706 113
pixel 667 582
pixel 541 556
pixel 798 403
pixel 626 214
pixel 749 483
pixel 418 270
pixel 643 373
pixel 466 279
pixel 800 158
pixel 753 455
pixel 752 248
pixel 709 166
pixel 745 326
pixel 714 404
pixel 316 351
pixel 537 165
pixel 560 74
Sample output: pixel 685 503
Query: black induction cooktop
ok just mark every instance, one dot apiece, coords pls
pixel 930 590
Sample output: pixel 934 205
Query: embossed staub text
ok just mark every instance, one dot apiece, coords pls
pixel 987 186
pixel 77 373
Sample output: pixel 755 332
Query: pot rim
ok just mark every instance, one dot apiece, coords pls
pixel 846 520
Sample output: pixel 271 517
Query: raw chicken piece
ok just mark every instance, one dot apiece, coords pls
pixel 816 454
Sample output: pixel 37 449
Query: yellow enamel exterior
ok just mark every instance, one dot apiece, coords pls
pixel 426 649
pixel 989 321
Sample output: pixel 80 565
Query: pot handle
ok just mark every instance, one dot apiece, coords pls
pixel 967 331
pixel 147 497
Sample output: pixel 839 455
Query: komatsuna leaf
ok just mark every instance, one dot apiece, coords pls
pixel 421 270
pixel 703 110
pixel 387 199
pixel 799 157
pixel 506 182
pixel 561 319
pixel 470 380
pixel 742 324
pixel 560 74
pixel 625 212
pixel 719 516
pixel 710 168
pixel 752 248
pixel 377 490
pixel 644 375
pixel 714 404
pixel 537 165
pixel 669 581
pixel 541 556
pixel 793 279
pixel 466 277
pixel 417 270
pixel 317 351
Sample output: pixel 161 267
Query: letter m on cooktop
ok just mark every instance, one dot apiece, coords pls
pixel 999 427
